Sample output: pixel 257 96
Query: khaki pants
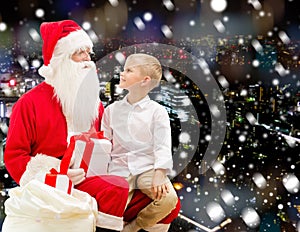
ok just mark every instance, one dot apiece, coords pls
pixel 157 209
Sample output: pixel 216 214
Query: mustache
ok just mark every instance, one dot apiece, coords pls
pixel 85 64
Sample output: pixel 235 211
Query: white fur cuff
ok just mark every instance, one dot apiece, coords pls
pixel 109 221
pixel 38 164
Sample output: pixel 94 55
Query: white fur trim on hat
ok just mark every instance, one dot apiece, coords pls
pixel 46 71
pixel 71 43
pixel 65 47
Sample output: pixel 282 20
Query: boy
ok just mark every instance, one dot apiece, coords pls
pixel 141 135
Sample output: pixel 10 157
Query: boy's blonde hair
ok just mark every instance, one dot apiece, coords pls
pixel 149 65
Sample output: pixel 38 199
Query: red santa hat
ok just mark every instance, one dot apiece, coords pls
pixel 59 39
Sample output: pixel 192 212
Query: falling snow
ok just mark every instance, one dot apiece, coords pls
pixel 250 51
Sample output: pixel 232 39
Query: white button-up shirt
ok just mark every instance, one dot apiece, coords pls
pixel 141 136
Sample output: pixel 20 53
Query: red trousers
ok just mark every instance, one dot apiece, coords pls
pixel 111 193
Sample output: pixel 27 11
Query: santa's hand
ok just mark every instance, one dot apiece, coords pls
pixel 76 175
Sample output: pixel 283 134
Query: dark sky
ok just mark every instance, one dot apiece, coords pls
pixel 15 10
pixel 19 15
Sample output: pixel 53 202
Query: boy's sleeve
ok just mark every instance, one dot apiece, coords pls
pixel 162 141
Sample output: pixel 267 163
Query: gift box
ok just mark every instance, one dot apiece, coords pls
pixel 56 180
pixel 59 180
pixel 92 153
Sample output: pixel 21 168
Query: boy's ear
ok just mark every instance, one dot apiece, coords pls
pixel 146 80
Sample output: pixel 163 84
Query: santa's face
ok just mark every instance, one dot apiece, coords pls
pixel 81 55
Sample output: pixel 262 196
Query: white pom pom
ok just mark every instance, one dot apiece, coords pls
pixel 46 72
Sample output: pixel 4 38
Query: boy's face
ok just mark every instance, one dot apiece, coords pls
pixel 132 75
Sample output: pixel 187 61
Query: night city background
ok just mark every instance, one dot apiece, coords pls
pixel 249 48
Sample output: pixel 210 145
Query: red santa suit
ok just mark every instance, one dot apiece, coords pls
pixel 38 126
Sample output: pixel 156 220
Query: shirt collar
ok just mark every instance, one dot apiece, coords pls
pixel 141 103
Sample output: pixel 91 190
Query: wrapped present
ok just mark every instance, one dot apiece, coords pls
pixel 92 153
pixel 56 180
pixel 59 180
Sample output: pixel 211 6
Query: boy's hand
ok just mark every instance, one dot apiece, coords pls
pixel 159 187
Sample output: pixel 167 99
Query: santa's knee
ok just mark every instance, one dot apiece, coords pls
pixel 112 198
pixel 116 181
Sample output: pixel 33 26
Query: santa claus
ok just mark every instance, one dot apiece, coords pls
pixel 66 103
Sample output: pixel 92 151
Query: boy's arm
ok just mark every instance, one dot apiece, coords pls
pixel 159 187
pixel 162 143
pixel 162 152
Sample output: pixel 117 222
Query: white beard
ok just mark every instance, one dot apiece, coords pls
pixel 77 88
